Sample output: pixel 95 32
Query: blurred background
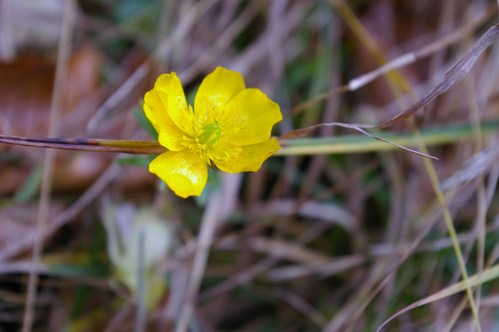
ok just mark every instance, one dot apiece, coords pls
pixel 334 242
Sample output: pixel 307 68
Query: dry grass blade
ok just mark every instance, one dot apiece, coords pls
pixel 17 247
pixel 357 127
pixel 475 280
pixel 61 78
pixel 412 57
pixel 452 77
pixel 399 62
pixel 475 166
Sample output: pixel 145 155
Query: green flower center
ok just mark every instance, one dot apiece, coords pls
pixel 203 143
pixel 210 134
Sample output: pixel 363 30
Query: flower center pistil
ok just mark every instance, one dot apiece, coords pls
pixel 210 134
pixel 201 144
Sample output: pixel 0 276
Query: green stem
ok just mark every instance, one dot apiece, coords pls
pixel 297 146
pixel 361 143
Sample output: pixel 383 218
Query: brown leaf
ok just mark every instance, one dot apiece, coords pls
pixel 25 98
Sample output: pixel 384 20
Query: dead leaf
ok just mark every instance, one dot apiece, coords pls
pixel 25 99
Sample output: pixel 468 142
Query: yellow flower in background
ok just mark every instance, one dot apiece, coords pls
pixel 230 127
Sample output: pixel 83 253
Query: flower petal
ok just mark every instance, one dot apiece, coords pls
pixel 184 172
pixel 248 158
pixel 156 112
pixel 216 90
pixel 169 134
pixel 248 118
pixel 171 138
pixel 166 107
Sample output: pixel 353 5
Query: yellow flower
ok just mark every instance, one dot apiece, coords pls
pixel 230 127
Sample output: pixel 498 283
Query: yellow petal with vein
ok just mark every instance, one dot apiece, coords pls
pixel 168 90
pixel 248 118
pixel 184 172
pixel 216 90
pixel 248 158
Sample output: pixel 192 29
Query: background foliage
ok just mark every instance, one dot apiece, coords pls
pixel 334 242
